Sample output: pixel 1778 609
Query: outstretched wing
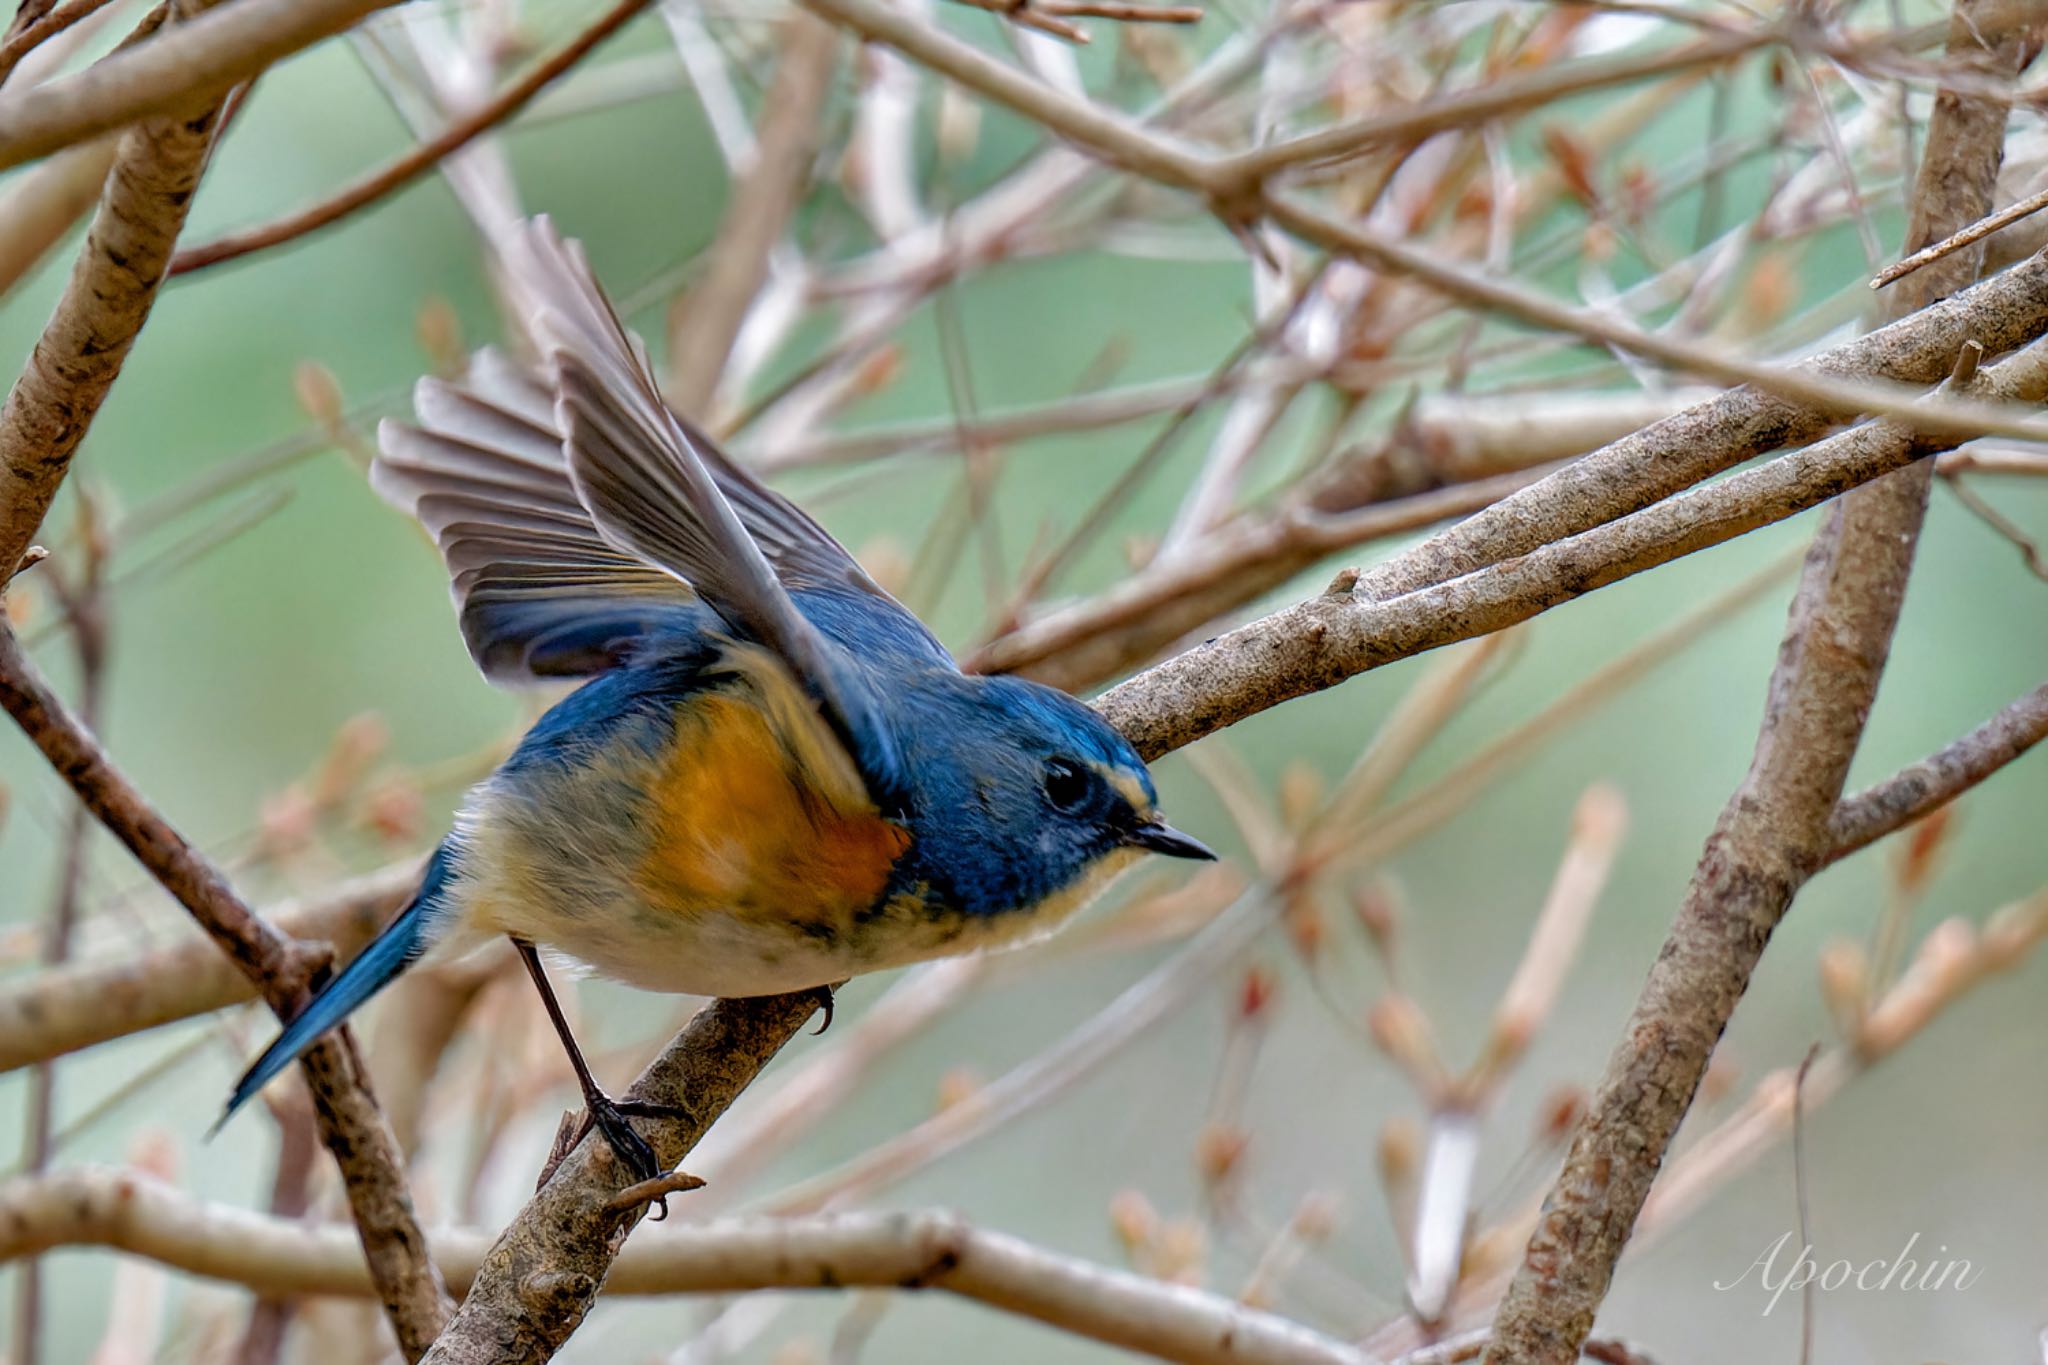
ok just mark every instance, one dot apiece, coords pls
pixel 538 592
pixel 651 493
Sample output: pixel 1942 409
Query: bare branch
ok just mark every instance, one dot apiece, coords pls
pixel 1933 782
pixel 536 1283
pixel 132 1212
pixel 1776 830
pixel 200 56
pixel 1318 643
pixel 88 1003
pixel 402 171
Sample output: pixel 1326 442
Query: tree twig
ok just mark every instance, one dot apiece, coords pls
pixel 203 55
pixel 403 170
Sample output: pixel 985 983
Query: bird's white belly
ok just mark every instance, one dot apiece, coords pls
pixel 716 951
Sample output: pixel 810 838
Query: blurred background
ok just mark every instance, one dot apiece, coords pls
pixel 285 680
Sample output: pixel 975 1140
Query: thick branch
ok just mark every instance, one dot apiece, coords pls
pixel 1319 643
pixel 131 1212
pixel 350 1124
pixel 147 193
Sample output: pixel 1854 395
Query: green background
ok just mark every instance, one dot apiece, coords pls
pixel 232 671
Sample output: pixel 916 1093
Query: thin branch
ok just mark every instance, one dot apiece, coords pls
pixel 87 1003
pixel 1051 16
pixel 1493 100
pixel 403 170
pixel 708 317
pixel 46 26
pixel 131 1212
pixel 350 1124
pixel 1969 236
pixel 1885 807
pixel 202 55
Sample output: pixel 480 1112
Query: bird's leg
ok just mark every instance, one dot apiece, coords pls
pixel 601 1111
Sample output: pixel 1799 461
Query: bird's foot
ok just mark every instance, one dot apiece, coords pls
pixel 610 1117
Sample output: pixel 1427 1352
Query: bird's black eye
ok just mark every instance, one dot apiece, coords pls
pixel 1066 785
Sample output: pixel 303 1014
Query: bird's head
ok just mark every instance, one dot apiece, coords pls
pixel 1030 793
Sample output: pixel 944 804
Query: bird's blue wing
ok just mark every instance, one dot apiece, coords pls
pixel 650 491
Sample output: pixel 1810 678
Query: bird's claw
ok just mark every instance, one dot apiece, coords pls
pixel 823 995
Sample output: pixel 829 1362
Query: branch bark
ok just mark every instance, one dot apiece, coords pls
pixel 539 1279
pixel 1319 643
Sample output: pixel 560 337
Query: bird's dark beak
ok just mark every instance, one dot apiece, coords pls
pixel 1156 836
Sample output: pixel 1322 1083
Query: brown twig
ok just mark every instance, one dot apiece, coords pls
pixel 1969 236
pixel 403 170
pixel 1051 16
pixel 1869 815
pixel 350 1124
pixel 25 38
pixel 93 1002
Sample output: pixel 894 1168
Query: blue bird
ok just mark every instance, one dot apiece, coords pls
pixel 775 777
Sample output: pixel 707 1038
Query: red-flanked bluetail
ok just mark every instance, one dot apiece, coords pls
pixel 775 777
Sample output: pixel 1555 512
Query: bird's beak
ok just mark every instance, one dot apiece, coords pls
pixel 1156 836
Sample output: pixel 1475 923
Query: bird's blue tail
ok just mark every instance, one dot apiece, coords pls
pixel 391 952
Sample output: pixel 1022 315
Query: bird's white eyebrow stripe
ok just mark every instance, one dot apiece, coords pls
pixel 1127 786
